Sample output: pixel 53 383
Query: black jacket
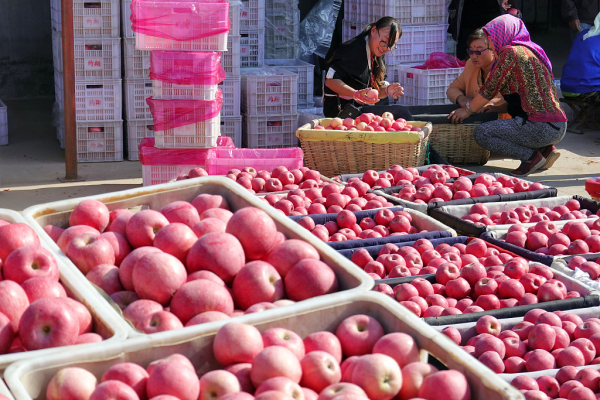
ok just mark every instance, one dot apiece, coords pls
pixel 583 10
pixel 486 11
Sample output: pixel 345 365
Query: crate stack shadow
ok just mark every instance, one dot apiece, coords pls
pixel 98 87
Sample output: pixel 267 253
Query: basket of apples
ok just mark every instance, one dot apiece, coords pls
pixel 362 347
pixel 548 341
pixel 455 287
pixel 473 220
pixel 335 146
pixel 433 189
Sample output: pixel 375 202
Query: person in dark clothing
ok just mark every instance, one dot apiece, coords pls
pixel 357 66
pixel 465 16
pixel 579 14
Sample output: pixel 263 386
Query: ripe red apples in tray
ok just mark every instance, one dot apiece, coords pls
pixel 541 340
pixel 35 311
pixel 568 383
pixel 357 361
pixel 190 263
pixel 331 198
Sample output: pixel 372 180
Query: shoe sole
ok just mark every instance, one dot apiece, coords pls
pixel 533 169
pixel 552 157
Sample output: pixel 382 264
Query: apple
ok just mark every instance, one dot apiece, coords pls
pixel 143 226
pixel 71 383
pixel 399 346
pixel 173 377
pixel 129 373
pixel 275 361
pixel 37 288
pixel 48 323
pixel 157 276
pixel 29 262
pixel 447 385
pixel 113 389
pixel 91 213
pixel 413 375
pixel 106 277
pixel 309 278
pixel 16 235
pixel 358 334
pixel 220 253
pixel 378 375
pixel 324 341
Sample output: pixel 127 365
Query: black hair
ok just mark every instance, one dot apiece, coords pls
pixel 379 68
pixel 478 34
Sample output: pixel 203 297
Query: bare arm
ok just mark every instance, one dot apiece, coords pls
pixel 338 86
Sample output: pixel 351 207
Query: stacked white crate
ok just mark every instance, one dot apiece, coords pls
pixel 98 85
pixel 423 32
pixel 282 31
pixel 231 114
pixel 269 107
pixel 252 33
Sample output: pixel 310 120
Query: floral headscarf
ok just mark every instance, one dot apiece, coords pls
pixel 508 30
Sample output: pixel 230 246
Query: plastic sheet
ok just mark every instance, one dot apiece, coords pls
pixel 316 29
pixel 187 68
pixel 440 61
pixel 151 155
pixel 180 20
pixel 169 114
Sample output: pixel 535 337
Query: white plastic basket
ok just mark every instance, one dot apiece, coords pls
pixel 252 48
pixel 305 73
pixel 413 12
pixel 158 174
pixel 366 11
pixel 4 391
pixel 252 15
pixel 210 43
pixel 232 127
pixel 231 88
pixel 100 141
pixel 125 18
pixel 235 10
pixel 106 320
pixel 98 100
pixel 136 93
pixel 269 132
pixel 3 124
pixel 91 19
pixel 198 135
pixel 29 380
pixel 94 58
pixel 351 279
pixel 137 62
pixel 280 7
pixel 169 91
pixel 137 130
pixel 269 94
pixel 351 29
pixel 231 58
pixel 425 86
pixel 417 43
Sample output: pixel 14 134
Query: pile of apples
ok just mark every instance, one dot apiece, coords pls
pixel 331 198
pixel 546 237
pixel 35 312
pixel 392 177
pixel 384 223
pixel 370 122
pixel 543 340
pixel 569 383
pixel 463 284
pixel 590 267
pixel 422 258
pixel 279 365
pixel 278 180
pixel 529 213
pixel 190 263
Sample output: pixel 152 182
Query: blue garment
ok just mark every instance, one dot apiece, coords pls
pixel 581 72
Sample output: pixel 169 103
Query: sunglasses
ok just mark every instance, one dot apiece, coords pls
pixel 476 52
pixel 384 44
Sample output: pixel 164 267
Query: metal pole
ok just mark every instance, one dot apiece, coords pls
pixel 68 48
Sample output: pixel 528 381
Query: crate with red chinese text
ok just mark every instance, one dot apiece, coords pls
pixel 269 91
pixel 100 141
pixel 252 48
pixel 91 19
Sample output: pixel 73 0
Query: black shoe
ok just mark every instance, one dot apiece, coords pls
pixel 529 166
pixel 551 155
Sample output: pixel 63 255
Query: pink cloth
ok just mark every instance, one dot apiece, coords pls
pixel 508 30
pixel 169 114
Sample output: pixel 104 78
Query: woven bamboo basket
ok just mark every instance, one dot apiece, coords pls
pixel 349 155
pixel 456 144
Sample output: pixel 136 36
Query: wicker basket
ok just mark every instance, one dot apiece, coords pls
pixel 456 144
pixel 348 156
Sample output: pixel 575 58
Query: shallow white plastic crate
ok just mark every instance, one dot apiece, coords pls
pixel 417 43
pixel 3 124
pixel 107 322
pixel 94 58
pixel 169 91
pixel 100 141
pixel 252 48
pixel 210 43
pixel 198 135
pixel 413 12
pixel 252 14
pixel 136 93
pixel 98 100
pixel 269 94
pixel 305 73
pixel 137 129
pixel 28 380
pixel 425 86
pixel 95 18
pixel 269 132
pixel 137 62
pixel 232 93
pixel 232 127
pixel 231 58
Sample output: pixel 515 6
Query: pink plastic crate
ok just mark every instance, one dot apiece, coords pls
pixel 220 161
